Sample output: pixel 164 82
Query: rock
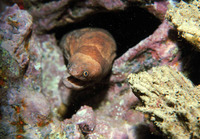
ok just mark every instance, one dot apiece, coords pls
pixel 171 100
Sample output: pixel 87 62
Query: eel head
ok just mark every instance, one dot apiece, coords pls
pixel 82 72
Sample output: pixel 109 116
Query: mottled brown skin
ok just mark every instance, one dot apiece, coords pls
pixel 90 53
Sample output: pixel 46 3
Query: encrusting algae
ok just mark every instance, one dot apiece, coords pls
pixel 171 100
pixel 185 17
pixel 35 102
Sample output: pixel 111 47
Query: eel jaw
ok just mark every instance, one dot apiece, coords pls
pixel 73 83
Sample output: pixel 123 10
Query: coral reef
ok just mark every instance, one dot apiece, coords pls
pixel 14 35
pixel 157 49
pixel 67 11
pixel 158 8
pixel 34 101
pixel 14 47
pixel 30 105
pixel 4 3
pixel 86 119
pixel 171 100
pixel 185 17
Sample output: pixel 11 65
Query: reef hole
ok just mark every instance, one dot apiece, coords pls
pixel 128 27
pixel 92 96
pixel 143 131
pixel 190 58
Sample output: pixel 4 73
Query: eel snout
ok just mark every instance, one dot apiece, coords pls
pixel 74 83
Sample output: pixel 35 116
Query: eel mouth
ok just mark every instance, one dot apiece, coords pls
pixel 74 83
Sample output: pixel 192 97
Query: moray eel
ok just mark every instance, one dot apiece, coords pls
pixel 90 53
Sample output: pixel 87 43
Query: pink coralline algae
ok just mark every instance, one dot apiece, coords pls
pixel 14 35
pixel 69 12
pixel 112 4
pixel 158 8
pixel 15 32
pixel 86 119
pixel 157 49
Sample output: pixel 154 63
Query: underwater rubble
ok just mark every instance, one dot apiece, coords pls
pixel 34 102
pixel 171 99
pixel 185 17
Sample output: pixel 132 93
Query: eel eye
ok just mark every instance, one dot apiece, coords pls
pixel 85 73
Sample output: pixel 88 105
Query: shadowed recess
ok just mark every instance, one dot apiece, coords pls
pixel 190 58
pixel 128 27
pixel 143 131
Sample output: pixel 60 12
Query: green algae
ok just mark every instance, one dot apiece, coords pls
pixel 8 65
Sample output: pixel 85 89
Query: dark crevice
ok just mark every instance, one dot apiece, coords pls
pixel 128 27
pixel 143 131
pixel 91 96
pixel 190 60
pixel 183 120
pixel 170 104
pixel 158 119
pixel 189 56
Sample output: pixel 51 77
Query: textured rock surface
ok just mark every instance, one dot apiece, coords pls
pixel 158 8
pixel 157 49
pixel 86 119
pixel 185 17
pixel 14 35
pixel 171 100
pixel 30 105
pixel 67 11
pixel 36 104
